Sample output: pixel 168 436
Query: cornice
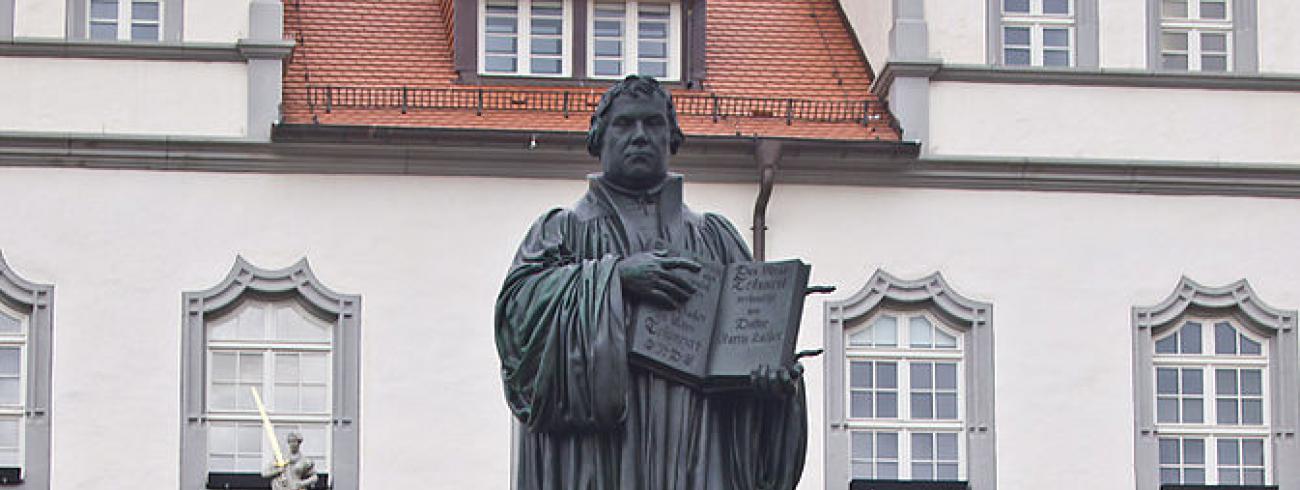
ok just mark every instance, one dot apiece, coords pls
pixel 937 71
pixel 243 50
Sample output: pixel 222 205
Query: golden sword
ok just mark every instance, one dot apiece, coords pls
pixel 268 428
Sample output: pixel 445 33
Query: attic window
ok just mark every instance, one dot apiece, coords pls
pixel 634 36
pixel 525 37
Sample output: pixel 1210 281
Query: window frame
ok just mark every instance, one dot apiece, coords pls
pixel 631 15
pixel 299 284
pixel 1240 27
pixel 1238 304
pixel 36 302
pixel 171 16
pixel 937 300
pixel 1082 23
pixel 523 41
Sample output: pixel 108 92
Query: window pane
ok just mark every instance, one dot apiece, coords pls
pixel 286 399
pixel 886 375
pixel 1252 382
pixel 10 391
pixel 500 44
pixel 923 446
pixel 223 366
pixel 1225 337
pixel 221 438
pixel 1191 334
pixel 1192 384
pixel 922 406
pixel 315 367
pixel 501 25
pixel 1167 410
pixel 554 9
pixel 144 11
pixel 1193 451
pixel 859 374
pixel 1015 36
pixel 1249 347
pixel 604 67
pixel 1252 452
pixel 1214 63
pixel 501 64
pixel 886 445
pixel 1252 412
pixel 887 405
pixel 922 471
pixel 103 31
pixel 1176 9
pixel 1225 381
pixel 886 331
pixel 250 438
pixel 1229 477
pixel 947 471
pixel 652 49
pixel 1056 38
pixel 10 361
pixel 1056 7
pixel 1227 411
pixel 250 368
pixel 920 329
pixel 1016 6
pixel 548 26
pixel 314 399
pixel 1166 381
pixel 1167 345
pixel 1174 61
pixel 860 404
pixel 1193 410
pixel 1173 40
pixel 942 339
pixel 1252 477
pixel 1227 452
pixel 945 376
pixel 1056 58
pixel 502 6
pixel 861 470
pixel 887 471
pixel 10 324
pixel 103 9
pixel 1169 451
pixel 1194 476
pixel 549 66
pixel 653 30
pixel 946 406
pixel 1214 10
pixel 144 32
pixel 609 28
pixel 921 373
pixel 1017 57
pixel 546 46
pixel 861 445
pixel 1170 475
pixel 946 446
pixel 609 48
pixel 9 433
pixel 654 10
pixel 223 396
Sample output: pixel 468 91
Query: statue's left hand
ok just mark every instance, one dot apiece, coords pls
pixel 776 382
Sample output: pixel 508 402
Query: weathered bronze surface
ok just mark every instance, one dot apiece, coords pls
pixel 592 421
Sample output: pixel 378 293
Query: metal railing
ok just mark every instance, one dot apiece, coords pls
pixel 483 99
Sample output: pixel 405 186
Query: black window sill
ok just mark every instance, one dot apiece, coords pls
pixel 907 485
pixel 11 476
pixel 253 481
pixel 1217 487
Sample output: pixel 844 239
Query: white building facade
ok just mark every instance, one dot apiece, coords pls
pixel 1017 284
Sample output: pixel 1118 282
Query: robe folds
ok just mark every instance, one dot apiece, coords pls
pixel 590 421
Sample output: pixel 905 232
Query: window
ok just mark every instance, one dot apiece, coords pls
pixel 1210 377
pixel 1195 35
pixel 285 335
pixel 1038 32
pixel 525 37
pixel 908 397
pixel 634 36
pixel 25 316
pixel 1210 388
pixel 133 20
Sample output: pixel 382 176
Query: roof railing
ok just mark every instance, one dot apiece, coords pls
pixel 569 102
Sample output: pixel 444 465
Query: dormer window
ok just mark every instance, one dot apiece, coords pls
pixel 125 20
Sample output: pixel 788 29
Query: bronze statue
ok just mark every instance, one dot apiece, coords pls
pixel 591 421
pixel 297 472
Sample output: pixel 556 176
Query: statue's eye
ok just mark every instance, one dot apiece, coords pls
pixel 655 121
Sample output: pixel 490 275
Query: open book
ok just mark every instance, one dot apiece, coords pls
pixel 743 315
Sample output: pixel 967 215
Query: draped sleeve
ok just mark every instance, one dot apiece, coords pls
pixel 560 332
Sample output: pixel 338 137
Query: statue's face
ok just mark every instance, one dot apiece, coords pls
pixel 634 151
pixel 294 444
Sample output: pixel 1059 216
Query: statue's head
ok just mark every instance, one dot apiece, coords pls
pixel 295 441
pixel 633 131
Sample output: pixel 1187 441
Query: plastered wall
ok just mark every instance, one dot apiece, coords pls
pixel 427 255
pixel 124 97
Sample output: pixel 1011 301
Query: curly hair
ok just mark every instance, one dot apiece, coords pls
pixel 632 86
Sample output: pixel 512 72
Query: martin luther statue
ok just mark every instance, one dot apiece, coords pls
pixel 590 420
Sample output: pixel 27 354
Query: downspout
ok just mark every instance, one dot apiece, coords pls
pixel 767 153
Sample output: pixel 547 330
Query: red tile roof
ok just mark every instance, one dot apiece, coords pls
pixel 797 49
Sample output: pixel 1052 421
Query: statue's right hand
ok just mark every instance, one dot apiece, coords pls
pixel 658 278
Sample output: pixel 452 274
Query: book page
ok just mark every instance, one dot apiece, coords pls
pixel 754 316
pixel 679 339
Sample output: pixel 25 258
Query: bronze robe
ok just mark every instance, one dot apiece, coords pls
pixel 591 421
